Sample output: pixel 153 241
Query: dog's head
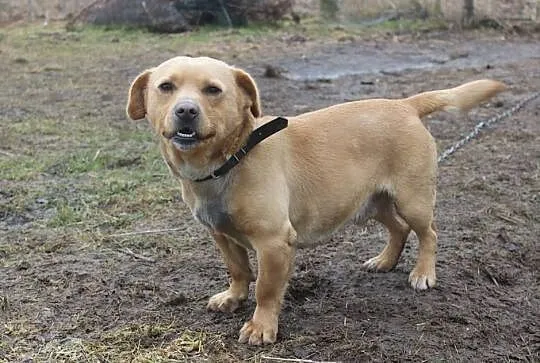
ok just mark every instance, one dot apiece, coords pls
pixel 195 103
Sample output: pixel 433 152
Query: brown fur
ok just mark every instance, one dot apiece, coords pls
pixel 364 159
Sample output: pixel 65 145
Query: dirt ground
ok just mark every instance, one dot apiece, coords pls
pixel 78 282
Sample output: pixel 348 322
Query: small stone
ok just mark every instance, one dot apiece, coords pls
pixel 272 72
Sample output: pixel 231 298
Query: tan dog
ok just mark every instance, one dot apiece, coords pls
pixel 365 159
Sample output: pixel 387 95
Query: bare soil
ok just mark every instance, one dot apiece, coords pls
pixel 75 174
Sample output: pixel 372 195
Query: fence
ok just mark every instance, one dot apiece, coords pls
pixel 454 10
pixel 344 10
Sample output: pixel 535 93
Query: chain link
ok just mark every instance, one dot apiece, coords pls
pixel 483 124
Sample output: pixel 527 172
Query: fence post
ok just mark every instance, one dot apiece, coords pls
pixel 329 9
pixel 468 13
pixel 30 11
pixel 437 8
pixel 534 8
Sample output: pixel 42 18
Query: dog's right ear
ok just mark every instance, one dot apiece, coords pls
pixel 136 105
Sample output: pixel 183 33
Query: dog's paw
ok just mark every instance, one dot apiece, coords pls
pixel 225 301
pixel 257 333
pixel 379 263
pixel 422 279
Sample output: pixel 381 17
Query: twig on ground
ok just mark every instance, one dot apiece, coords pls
pixel 512 220
pixel 293 360
pixel 490 276
pixel 127 251
pixel 135 233
pixel 6 153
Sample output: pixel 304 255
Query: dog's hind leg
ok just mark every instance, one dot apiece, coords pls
pixel 415 206
pixel 237 261
pixel 398 231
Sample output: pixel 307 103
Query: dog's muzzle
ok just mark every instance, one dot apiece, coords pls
pixel 185 119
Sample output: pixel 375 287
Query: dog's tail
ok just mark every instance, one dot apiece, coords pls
pixel 461 98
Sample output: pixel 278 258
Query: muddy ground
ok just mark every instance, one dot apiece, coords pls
pixel 76 175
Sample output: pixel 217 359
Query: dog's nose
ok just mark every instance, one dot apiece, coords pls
pixel 186 111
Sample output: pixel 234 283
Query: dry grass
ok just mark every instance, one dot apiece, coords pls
pixel 133 343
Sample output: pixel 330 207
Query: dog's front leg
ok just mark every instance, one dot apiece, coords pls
pixel 237 261
pixel 275 257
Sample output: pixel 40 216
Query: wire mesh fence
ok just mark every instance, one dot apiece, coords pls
pixel 336 10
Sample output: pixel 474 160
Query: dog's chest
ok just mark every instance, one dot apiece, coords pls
pixel 213 214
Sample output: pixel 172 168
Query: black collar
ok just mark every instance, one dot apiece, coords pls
pixel 258 135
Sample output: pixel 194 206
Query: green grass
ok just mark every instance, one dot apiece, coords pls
pixel 55 40
pixel 66 215
pixel 99 39
pixel 20 168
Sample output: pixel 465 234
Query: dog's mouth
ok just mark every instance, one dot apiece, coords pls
pixel 186 138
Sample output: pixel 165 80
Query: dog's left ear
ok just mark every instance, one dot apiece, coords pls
pixel 247 83
pixel 136 105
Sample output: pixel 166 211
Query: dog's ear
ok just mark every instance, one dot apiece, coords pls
pixel 136 105
pixel 247 83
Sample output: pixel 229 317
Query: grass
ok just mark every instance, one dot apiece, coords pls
pixel 96 38
pixel 134 343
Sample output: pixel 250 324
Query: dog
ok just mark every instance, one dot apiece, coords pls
pixel 368 159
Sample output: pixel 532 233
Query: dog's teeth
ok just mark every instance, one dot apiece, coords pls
pixel 185 135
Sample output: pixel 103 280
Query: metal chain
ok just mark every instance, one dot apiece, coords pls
pixel 483 124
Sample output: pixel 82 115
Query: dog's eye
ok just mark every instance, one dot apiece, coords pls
pixel 166 87
pixel 212 90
